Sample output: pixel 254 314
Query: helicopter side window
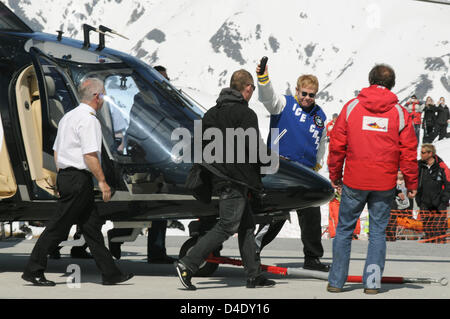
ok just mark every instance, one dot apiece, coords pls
pixel 60 98
pixel 139 113
pixel 60 101
pixel 119 101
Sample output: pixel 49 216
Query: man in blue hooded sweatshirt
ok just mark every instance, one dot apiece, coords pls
pixel 302 139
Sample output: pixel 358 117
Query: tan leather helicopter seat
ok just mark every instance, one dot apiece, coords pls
pixel 8 186
pixel 30 117
pixel 55 107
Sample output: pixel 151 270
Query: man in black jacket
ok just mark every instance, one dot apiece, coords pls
pixel 442 117
pixel 433 194
pixel 429 121
pixel 232 183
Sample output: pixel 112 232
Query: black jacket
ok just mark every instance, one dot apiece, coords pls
pixel 434 188
pixel 443 114
pixel 429 116
pixel 232 111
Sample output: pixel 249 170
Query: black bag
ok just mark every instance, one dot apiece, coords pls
pixel 199 182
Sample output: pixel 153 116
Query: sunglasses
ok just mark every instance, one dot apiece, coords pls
pixel 311 95
pixel 100 95
pixel 425 152
pixel 253 86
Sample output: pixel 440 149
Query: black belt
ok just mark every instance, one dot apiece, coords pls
pixel 74 169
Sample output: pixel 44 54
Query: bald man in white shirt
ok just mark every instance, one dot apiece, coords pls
pixel 77 152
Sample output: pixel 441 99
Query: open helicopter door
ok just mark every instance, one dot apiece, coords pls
pixel 8 186
pixel 44 94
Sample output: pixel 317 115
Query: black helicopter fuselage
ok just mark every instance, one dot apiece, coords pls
pixel 137 121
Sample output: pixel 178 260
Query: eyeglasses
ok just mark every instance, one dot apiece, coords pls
pixel 100 95
pixel 253 86
pixel 425 152
pixel 311 95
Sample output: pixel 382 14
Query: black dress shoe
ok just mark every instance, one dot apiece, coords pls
pixel 38 280
pixel 161 260
pixel 117 280
pixel 260 282
pixel 315 264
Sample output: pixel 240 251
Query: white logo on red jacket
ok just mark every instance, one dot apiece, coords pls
pixel 378 124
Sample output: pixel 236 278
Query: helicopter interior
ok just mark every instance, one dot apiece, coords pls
pixel 122 117
pixel 30 118
pixel 8 186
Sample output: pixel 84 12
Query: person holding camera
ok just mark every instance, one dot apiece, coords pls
pixel 429 121
pixel 442 118
pixel 415 109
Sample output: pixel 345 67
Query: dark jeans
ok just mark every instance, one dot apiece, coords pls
pixel 75 206
pixel 309 220
pixel 417 131
pixel 235 215
pixel 352 204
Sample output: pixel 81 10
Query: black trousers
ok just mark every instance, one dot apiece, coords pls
pixel 442 130
pixel 235 216
pixel 156 240
pixel 76 205
pixel 309 220
pixel 429 134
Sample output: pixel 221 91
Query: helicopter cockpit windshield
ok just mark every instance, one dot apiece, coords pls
pixel 138 116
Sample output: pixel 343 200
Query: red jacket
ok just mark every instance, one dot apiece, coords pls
pixel 416 116
pixel 375 137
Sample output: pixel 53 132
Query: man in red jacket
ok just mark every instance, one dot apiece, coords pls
pixel 375 137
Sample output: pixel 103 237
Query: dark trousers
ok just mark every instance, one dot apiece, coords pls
pixel 77 235
pixel 235 215
pixel 442 130
pixel 156 240
pixel 429 134
pixel 76 205
pixel 309 220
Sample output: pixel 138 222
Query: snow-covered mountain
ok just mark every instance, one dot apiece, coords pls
pixel 202 42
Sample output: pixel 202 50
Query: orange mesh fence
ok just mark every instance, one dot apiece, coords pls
pixel 425 226
pixel 421 226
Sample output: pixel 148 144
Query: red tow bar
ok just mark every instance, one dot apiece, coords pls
pixel 323 275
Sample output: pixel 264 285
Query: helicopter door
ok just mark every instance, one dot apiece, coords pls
pixel 44 94
pixel 8 186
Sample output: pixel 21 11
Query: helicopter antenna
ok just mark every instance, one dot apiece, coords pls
pixel 103 31
pixel 86 29
pixel 106 29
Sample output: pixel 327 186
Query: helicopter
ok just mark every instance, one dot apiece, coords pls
pixel 39 74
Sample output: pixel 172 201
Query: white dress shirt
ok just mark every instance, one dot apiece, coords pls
pixel 79 133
